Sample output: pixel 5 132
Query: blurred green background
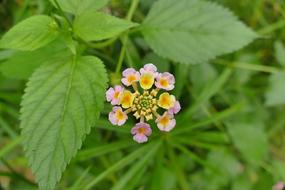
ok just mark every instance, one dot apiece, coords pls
pixel 237 129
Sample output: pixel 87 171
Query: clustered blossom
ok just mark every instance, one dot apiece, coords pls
pixel 279 186
pixel 148 99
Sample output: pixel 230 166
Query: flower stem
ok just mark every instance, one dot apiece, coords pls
pixel 124 38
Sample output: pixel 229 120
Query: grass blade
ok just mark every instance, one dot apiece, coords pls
pixel 120 185
pixel 120 164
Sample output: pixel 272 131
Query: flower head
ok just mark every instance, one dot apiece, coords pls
pixel 113 94
pixel 141 131
pixel 147 101
pixel 165 81
pixel 175 109
pixel 130 76
pixel 279 186
pixel 166 100
pixel 166 122
pixel 150 69
pixel 117 116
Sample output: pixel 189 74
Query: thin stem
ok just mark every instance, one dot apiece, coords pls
pixel 16 174
pixel 63 14
pixel 252 67
pixel 124 38
pixel 122 54
pixel 132 9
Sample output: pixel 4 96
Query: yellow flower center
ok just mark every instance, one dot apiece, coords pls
pixel 127 99
pixel 144 105
pixel 146 81
pixel 164 120
pixel 131 78
pixel 166 100
pixel 116 95
pixel 163 82
pixel 120 115
pixel 141 130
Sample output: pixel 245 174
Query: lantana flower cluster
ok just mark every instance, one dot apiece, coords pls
pixel 144 95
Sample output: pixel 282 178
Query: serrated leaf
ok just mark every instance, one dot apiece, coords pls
pixel 80 6
pixel 22 64
pixel 275 95
pixel 30 34
pixel 99 26
pixel 193 31
pixel 62 102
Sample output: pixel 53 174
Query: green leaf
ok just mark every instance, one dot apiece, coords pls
pixel 250 139
pixel 30 34
pixel 193 31
pixel 62 102
pixel 279 53
pixel 80 6
pixel 23 63
pixel 138 166
pixel 140 152
pixel 275 95
pixel 103 149
pixel 99 26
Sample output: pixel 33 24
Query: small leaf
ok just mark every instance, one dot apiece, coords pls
pixel 275 95
pixel 193 31
pixel 99 26
pixel 30 34
pixel 80 6
pixel 279 53
pixel 62 102
pixel 250 139
pixel 23 63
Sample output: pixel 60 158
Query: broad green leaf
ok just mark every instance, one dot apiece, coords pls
pixel 275 95
pixel 62 102
pixel 80 6
pixel 279 53
pixel 30 34
pixel 94 26
pixel 193 31
pixel 23 63
pixel 250 139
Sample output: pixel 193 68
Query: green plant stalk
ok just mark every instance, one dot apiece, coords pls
pixel 219 116
pixel 5 126
pixel 63 14
pixel 194 157
pixel 5 150
pixel 177 169
pixel 16 174
pixel 124 38
pixel 250 67
pixel 119 165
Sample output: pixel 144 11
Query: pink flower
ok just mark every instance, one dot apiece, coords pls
pixel 117 116
pixel 150 69
pixel 165 81
pixel 130 75
pixel 166 122
pixel 141 131
pixel 113 94
pixel 175 109
pixel 279 186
